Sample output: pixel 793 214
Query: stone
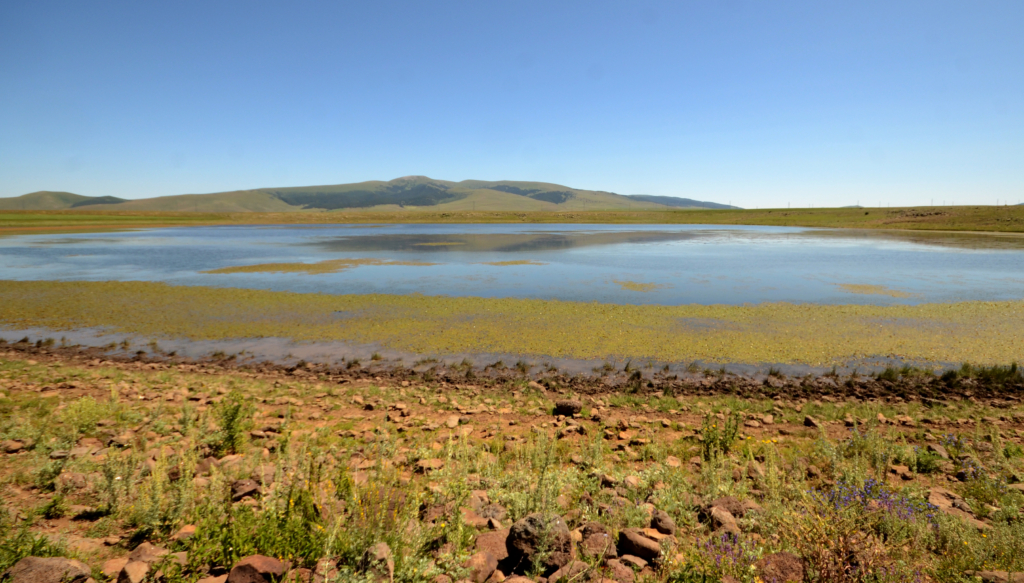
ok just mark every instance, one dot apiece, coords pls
pixel 780 567
pixel 452 421
pixel 184 533
pixel 133 572
pixel 46 570
pixel 736 507
pixel 217 579
pixel 902 472
pixel 812 422
pixel 480 566
pixel 662 522
pixel 539 536
pixel 570 572
pixel 721 519
pixel 633 562
pixel 12 446
pixel 494 543
pixel 147 553
pixel 256 569
pixel 672 461
pixel 378 562
pixel 599 545
pixel 619 571
pixel 112 567
pixel 631 542
pixel 568 407
pixel 938 450
pixel 428 465
pixel 244 489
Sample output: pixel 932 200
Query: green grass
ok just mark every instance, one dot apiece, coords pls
pixel 1008 219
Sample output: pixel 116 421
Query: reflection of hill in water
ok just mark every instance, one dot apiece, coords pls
pixel 519 242
pixel 1008 241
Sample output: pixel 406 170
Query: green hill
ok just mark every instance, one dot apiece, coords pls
pixel 675 201
pixel 406 193
pixel 44 200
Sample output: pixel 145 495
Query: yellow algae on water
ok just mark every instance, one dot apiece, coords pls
pixel 877 290
pixel 329 266
pixel 638 286
pixel 977 332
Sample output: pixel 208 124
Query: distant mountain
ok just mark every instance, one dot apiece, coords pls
pixel 409 192
pixel 680 202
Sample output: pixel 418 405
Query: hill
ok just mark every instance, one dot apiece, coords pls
pixel 675 201
pixel 406 193
pixel 44 200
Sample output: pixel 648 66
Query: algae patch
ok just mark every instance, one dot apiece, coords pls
pixel 977 332
pixel 639 286
pixel 874 290
pixel 329 266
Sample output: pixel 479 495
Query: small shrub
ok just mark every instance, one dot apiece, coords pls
pixel 234 416
pixel 717 437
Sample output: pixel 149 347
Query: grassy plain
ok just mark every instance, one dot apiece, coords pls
pixel 1008 219
pixel 821 335
pixel 184 470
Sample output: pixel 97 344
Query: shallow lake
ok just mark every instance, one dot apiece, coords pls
pixel 657 264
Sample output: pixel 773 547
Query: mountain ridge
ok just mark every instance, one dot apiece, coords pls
pixel 404 193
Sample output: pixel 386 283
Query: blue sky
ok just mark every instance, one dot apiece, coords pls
pixel 758 103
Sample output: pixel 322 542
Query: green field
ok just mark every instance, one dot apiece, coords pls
pixel 1008 219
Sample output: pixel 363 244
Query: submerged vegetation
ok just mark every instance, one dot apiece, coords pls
pixel 985 333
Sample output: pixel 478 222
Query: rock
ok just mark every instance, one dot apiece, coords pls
pixel 481 566
pixel 633 562
pixel 428 465
pixel 619 572
pixel 133 572
pixel 568 407
pixel 494 543
pixel 632 482
pixel 662 522
pixel 570 572
pixel 12 446
pixel 902 472
pixel 631 542
pixel 540 537
pixel 378 562
pixel 256 569
pixel 217 579
pixel 938 450
pixel 736 507
pixel 147 553
pixel 599 545
pixel 721 519
pixel 184 533
pixel 781 568
pixel 812 422
pixel 452 421
pixel 112 567
pixel 672 461
pixel 244 489
pixel 46 570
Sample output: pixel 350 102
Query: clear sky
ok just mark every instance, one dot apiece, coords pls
pixel 761 103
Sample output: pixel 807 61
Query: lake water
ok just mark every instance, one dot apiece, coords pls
pixel 638 264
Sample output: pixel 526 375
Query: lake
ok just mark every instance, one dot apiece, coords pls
pixel 631 264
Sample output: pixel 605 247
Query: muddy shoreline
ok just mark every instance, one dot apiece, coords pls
pixel 891 386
